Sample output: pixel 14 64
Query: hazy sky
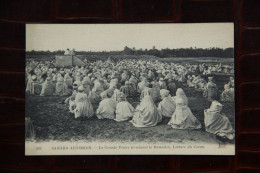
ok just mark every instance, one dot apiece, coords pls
pixel 99 37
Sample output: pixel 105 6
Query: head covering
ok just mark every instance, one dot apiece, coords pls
pixel 121 96
pixel 115 95
pixel 103 95
pixel 181 94
pixel 161 79
pixel 48 78
pixel 34 77
pixel 146 92
pixel 226 86
pixel 210 78
pixel 66 76
pixel 76 84
pixel 80 88
pixel 164 93
pixel 215 106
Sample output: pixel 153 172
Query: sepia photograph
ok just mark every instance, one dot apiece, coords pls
pixel 130 89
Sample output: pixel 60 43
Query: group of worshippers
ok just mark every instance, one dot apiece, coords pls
pixel 103 89
pixel 210 89
pixel 207 69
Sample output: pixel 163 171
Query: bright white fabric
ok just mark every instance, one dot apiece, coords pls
pixel 217 123
pixel 183 118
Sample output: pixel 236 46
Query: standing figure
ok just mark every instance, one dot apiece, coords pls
pixel 211 90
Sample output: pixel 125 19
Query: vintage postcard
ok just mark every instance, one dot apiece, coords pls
pixel 130 89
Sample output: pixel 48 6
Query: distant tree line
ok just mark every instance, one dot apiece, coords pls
pixel 163 53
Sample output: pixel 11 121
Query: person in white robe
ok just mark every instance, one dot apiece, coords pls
pixel 54 80
pixel 162 84
pixel 114 82
pixel 83 106
pixel 110 90
pixel 47 87
pixel 156 91
pixel 133 81
pixel 182 117
pixel 124 76
pixel 228 94
pixel 115 95
pixel 141 85
pixel 94 94
pixel 86 84
pixel 189 81
pixel 61 87
pixel 146 113
pixel 33 89
pixel 67 52
pixel 217 123
pixel 29 83
pixel 124 110
pixel 231 82
pixel 167 105
pixel 105 84
pixel 37 85
pixel 146 91
pixel 106 108
pixel 68 80
pixel 71 100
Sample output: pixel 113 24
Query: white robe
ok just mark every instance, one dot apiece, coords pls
pixel 167 107
pixel 106 109
pixel 217 123
pixel 141 86
pixel 182 117
pixel 47 88
pixel 124 111
pixel 83 106
pixel 146 114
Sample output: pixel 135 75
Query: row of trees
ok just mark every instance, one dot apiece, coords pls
pixel 163 53
pixel 183 52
